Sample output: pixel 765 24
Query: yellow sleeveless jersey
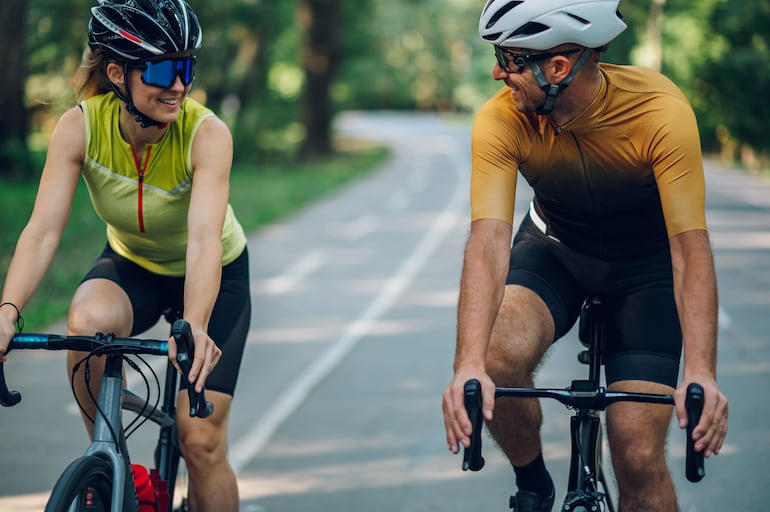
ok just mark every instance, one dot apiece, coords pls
pixel 615 182
pixel 145 205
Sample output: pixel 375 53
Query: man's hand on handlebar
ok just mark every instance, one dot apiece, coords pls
pixel 456 422
pixel 710 433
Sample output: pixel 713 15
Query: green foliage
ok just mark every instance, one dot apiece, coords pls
pixel 15 158
pixel 414 61
pixel 249 71
pixel 735 80
pixel 408 54
pixel 55 44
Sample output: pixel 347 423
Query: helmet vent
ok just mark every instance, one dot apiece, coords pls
pixel 502 12
pixel 529 29
pixel 492 37
pixel 578 18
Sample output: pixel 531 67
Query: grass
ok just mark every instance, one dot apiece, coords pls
pixel 259 195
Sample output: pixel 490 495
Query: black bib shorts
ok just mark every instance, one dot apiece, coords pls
pixel 643 340
pixel 153 295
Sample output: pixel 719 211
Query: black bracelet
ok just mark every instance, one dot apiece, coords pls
pixel 19 318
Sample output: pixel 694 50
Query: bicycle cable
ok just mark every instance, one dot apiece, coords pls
pixel 142 416
pixel 87 380
pixel 133 425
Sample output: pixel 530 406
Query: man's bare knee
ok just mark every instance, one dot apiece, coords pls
pixel 522 333
pixel 637 435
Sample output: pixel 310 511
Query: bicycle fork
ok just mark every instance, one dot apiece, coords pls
pixel 585 467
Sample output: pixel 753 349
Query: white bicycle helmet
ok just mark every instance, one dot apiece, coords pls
pixel 544 24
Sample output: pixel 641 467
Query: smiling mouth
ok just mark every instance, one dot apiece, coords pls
pixel 171 102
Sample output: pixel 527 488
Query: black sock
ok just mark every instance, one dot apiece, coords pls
pixel 533 477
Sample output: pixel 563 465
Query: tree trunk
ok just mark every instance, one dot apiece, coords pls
pixel 13 116
pixel 655 35
pixel 320 19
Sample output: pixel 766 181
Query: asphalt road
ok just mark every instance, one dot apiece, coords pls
pixel 338 404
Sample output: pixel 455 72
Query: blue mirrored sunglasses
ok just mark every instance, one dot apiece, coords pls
pixel 163 73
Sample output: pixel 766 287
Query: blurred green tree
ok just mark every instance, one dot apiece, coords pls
pixel 13 117
pixel 734 79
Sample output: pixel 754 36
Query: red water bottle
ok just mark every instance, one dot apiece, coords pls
pixel 161 490
pixel 144 490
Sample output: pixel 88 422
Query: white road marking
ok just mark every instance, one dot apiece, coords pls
pixel 359 228
pixel 289 279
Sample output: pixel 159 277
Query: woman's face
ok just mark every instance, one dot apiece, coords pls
pixel 158 103
pixel 160 85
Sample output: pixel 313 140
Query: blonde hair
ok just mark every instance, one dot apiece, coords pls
pixel 91 77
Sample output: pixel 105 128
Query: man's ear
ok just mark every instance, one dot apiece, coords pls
pixel 560 68
pixel 115 73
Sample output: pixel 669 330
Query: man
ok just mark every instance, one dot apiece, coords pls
pixel 613 156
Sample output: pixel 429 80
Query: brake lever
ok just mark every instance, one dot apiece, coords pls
pixel 8 398
pixel 694 463
pixel 472 459
pixel 185 349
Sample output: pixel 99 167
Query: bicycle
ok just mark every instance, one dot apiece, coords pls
pixel 102 479
pixel 587 489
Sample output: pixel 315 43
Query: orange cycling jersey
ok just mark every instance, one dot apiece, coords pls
pixel 615 182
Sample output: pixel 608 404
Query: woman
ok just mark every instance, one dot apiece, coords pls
pixel 157 168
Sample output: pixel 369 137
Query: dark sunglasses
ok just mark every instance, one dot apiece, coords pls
pixel 507 59
pixel 163 73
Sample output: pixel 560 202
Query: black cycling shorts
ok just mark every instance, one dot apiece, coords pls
pixel 643 339
pixel 152 295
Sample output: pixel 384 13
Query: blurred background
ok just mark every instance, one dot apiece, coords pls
pixel 279 71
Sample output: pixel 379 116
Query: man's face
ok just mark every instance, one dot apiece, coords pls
pixel 514 70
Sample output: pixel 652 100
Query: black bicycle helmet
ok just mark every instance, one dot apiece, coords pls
pixel 141 29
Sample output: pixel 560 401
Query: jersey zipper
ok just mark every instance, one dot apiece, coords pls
pixel 140 170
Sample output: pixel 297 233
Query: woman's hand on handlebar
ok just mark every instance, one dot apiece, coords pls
pixel 205 358
pixel 710 433
pixel 7 330
pixel 456 422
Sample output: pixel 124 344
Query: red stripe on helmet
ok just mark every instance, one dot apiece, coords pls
pixel 130 37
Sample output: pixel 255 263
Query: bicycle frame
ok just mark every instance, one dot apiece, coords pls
pixel 587 398
pixel 109 439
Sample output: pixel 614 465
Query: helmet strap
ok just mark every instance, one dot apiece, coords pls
pixel 140 118
pixel 553 90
